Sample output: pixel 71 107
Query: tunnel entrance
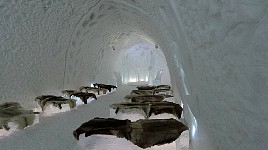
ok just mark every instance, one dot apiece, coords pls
pixel 143 64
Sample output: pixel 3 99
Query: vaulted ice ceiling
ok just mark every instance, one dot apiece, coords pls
pixel 108 27
pixel 216 52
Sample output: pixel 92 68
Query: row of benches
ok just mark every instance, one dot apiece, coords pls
pixel 14 112
pixel 143 132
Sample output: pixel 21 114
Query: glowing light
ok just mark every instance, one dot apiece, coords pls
pixel 78 100
pixel 192 122
pixel 194 127
pixel 181 104
pixel 132 80
pixel 183 80
pixel 193 130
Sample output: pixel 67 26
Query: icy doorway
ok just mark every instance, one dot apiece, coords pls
pixel 144 64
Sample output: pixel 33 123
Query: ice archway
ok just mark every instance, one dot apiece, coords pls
pixel 216 52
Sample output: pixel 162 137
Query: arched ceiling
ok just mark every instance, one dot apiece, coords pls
pixel 107 25
pixel 50 45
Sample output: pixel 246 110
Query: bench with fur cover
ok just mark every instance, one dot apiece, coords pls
pixel 104 86
pixel 84 96
pixel 94 90
pixel 13 112
pixel 57 101
pixel 143 133
pixel 149 108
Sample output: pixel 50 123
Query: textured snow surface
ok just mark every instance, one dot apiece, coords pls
pixel 54 132
pixel 216 52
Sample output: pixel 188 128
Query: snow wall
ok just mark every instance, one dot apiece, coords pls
pixel 216 54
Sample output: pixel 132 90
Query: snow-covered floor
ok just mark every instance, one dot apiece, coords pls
pixel 54 132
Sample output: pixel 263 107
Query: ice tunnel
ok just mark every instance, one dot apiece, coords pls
pixel 212 52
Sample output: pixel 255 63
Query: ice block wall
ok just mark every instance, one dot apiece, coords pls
pixel 224 59
pixel 216 53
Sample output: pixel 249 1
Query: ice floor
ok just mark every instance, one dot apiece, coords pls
pixel 54 132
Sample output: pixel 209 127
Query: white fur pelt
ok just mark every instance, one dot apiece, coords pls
pixel 13 112
pixel 94 90
pixel 142 92
pixel 128 98
pixel 56 101
pixel 68 93
pixel 162 89
pixel 144 98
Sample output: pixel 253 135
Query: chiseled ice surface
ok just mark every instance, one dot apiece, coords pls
pixel 216 54
pixel 54 130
